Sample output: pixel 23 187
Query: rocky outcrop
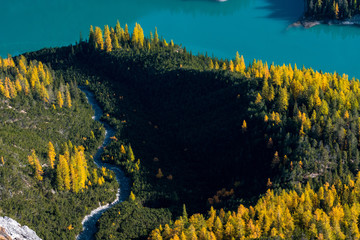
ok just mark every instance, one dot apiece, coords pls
pixel 309 23
pixel 4 235
pixel 12 230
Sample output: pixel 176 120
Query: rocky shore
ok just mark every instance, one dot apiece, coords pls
pixel 12 230
pixel 309 23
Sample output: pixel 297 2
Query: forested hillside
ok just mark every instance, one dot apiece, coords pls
pixel 204 132
pixel 332 212
pixel 47 137
pixel 336 9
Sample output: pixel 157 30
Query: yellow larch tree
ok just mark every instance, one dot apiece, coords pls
pixel 135 36
pixel 242 65
pixel 192 233
pixel 48 78
pixel 156 235
pixel 283 99
pixel 44 93
pixel 126 34
pixel 99 42
pixel 11 87
pixel 159 174
pixel 218 228
pixel 34 77
pixel 107 37
pixel 156 36
pixel 112 35
pixel 68 97
pixel 258 98
pixel 63 174
pixel 18 86
pixel 35 163
pixel 183 236
pixel 132 196
pixel 237 68
pixel 6 91
pixel 8 62
pixel 41 72
pixel 237 58
pixel 2 87
pixel 141 37
pixel 165 43
pixel 130 154
pixel 101 180
pixel 244 126
pixel 51 155
pixel 336 9
pixel 92 36
pixel 115 43
pixel 59 99
pixel 95 175
pixel 211 64
pixel 81 166
pixel 231 66
pixel 38 170
pixel 276 160
pixel 75 186
pixel 32 157
pixel 118 31
pixel 176 237
pixel 122 149
pixel 25 85
pixel 22 66
pixel 271 94
pixel 265 89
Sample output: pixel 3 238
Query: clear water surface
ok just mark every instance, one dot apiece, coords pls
pixel 256 28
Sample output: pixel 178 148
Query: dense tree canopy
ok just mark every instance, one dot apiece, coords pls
pixel 332 9
pixel 37 122
pixel 213 132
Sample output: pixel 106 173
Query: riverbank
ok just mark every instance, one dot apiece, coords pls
pixel 89 221
pixel 309 23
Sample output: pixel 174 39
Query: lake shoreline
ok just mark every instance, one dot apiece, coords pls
pixel 310 22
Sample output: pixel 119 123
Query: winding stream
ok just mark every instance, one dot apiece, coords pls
pixel 89 221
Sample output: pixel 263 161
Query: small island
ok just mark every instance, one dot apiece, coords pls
pixel 337 12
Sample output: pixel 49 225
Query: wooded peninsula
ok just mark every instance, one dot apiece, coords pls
pixel 215 148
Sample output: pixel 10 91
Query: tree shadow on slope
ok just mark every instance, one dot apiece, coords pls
pixel 289 10
pixel 191 122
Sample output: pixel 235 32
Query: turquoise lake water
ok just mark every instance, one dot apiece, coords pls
pixel 256 28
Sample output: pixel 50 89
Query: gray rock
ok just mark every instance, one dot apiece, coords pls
pixel 15 231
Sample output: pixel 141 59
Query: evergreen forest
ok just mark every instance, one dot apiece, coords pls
pixel 202 138
pixel 215 148
pixel 46 141
pixel 327 9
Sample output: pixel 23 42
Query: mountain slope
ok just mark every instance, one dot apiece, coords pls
pixel 210 132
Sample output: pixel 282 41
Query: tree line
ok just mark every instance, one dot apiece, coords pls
pixel 332 9
pixel 305 122
pixel 46 136
pixel 72 171
pixel 31 79
pixel 331 212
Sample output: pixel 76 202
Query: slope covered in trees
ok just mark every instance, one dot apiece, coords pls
pixel 331 9
pixel 38 128
pixel 211 132
pixel 332 212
